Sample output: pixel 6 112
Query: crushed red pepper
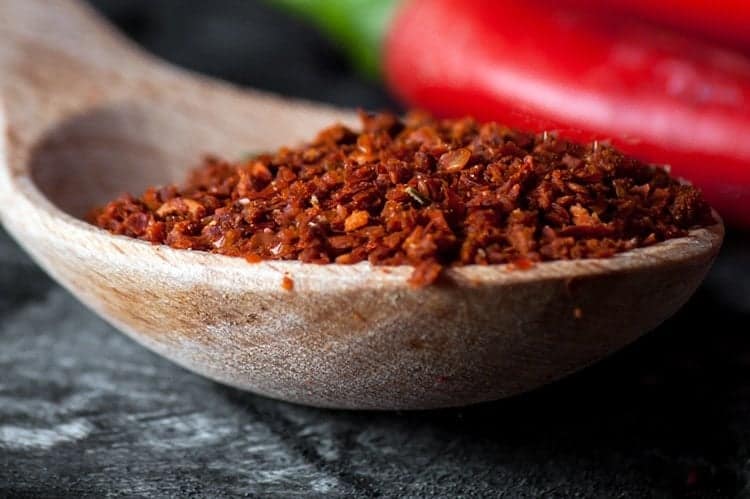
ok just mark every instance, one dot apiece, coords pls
pixel 287 283
pixel 425 192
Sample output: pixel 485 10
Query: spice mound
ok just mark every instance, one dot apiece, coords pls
pixel 419 191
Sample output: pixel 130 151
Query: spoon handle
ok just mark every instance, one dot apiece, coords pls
pixel 62 28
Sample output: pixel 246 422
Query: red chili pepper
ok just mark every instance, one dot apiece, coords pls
pixel 657 95
pixel 725 20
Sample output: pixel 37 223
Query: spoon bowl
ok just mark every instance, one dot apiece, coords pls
pixel 87 116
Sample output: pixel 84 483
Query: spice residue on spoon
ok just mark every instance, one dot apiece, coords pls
pixel 424 192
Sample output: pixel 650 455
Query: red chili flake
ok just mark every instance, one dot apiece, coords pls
pixel 287 283
pixel 522 264
pixel 253 258
pixel 423 192
pixel 578 313
pixel 356 220
pixel 454 161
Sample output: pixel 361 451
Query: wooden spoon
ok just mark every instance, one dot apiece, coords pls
pixel 87 116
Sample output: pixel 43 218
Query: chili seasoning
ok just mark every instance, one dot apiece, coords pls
pixel 418 191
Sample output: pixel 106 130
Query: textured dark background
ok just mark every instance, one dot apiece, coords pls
pixel 86 412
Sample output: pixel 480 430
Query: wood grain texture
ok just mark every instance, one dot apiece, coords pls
pixel 88 118
pixel 85 412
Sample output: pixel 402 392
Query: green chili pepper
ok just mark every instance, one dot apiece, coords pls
pixel 357 26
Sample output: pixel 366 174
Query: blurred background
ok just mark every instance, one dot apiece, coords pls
pixel 668 416
pixel 247 42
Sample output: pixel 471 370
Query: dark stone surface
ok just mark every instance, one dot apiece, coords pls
pixel 84 411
